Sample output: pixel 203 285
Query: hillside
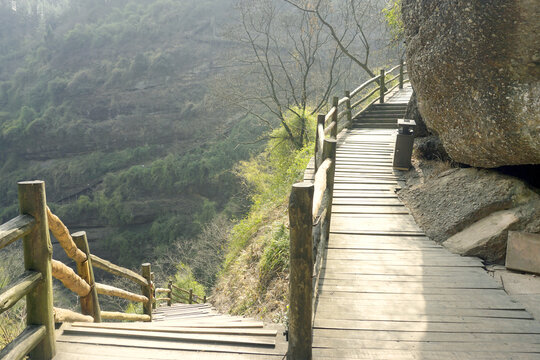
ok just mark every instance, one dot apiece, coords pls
pixel 110 103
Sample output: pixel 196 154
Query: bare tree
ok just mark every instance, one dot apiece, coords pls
pixel 290 66
pixel 348 22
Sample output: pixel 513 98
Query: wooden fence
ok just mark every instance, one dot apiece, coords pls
pixel 310 206
pixel 33 226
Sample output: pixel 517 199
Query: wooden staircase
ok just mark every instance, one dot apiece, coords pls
pixel 181 331
pixel 380 116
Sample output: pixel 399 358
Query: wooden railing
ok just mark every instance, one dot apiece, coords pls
pixel 33 226
pixel 310 207
pixel 185 295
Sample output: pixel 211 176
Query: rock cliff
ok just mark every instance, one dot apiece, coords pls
pixel 475 66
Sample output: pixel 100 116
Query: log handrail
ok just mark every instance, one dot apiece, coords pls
pixel 69 278
pixel 35 284
pixel 118 270
pixel 109 290
pixel 19 287
pixel 15 229
pixel 310 209
pixel 61 233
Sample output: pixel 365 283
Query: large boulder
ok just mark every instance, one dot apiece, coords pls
pixel 475 66
pixel 445 204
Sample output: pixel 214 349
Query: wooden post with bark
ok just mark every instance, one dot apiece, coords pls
pixel 90 302
pixel 348 107
pixel 382 87
pixel 191 296
pixel 335 102
pixel 401 74
pixel 147 291
pixel 319 138
pixel 329 152
pixel 169 286
pixel 154 302
pixel 37 257
pixel 301 271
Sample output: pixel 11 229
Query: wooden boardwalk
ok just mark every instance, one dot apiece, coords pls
pixel 389 292
pixel 182 331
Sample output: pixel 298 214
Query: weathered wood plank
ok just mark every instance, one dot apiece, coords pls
pixel 21 285
pixel 501 326
pixel 69 278
pixel 24 343
pixel 181 330
pixel 117 270
pixel 111 315
pixel 143 335
pixel 114 291
pixel 469 348
pixel 478 338
pixel 173 345
pixel 73 351
pixel 61 233
pixel 65 315
pixel 15 228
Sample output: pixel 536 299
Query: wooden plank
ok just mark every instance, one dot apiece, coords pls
pixel 497 327
pixel 478 338
pixel 500 303
pixel 143 335
pixel 358 354
pixel 171 345
pixel 19 287
pixel 15 229
pixel 181 330
pixel 355 209
pixel 523 252
pixel 469 348
pixel 24 343
pixel 420 312
pixel 118 270
pixel 73 351
pixel 103 289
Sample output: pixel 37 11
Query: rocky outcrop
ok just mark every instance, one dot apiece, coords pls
pixel 445 204
pixel 475 66
pixel 486 238
pixel 414 113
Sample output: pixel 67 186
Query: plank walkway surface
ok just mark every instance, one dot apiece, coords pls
pixel 181 331
pixel 389 292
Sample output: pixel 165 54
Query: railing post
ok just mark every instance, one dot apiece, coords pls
pixel 329 152
pixel 335 101
pixel 37 257
pixel 191 296
pixel 301 271
pixel 401 74
pixel 147 289
pixel 154 302
pixel 382 87
pixel 316 159
pixel 169 286
pixel 204 299
pixel 348 106
pixel 90 302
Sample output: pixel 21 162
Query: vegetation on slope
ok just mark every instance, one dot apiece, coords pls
pixel 108 102
pixel 254 277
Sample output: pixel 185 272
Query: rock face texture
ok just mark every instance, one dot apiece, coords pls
pixel 485 238
pixel 475 66
pixel 446 204
pixel 414 113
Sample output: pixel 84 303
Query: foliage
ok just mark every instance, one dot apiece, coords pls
pixel 275 258
pixel 252 280
pixel 392 15
pixel 270 176
pixel 107 103
pixel 184 279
